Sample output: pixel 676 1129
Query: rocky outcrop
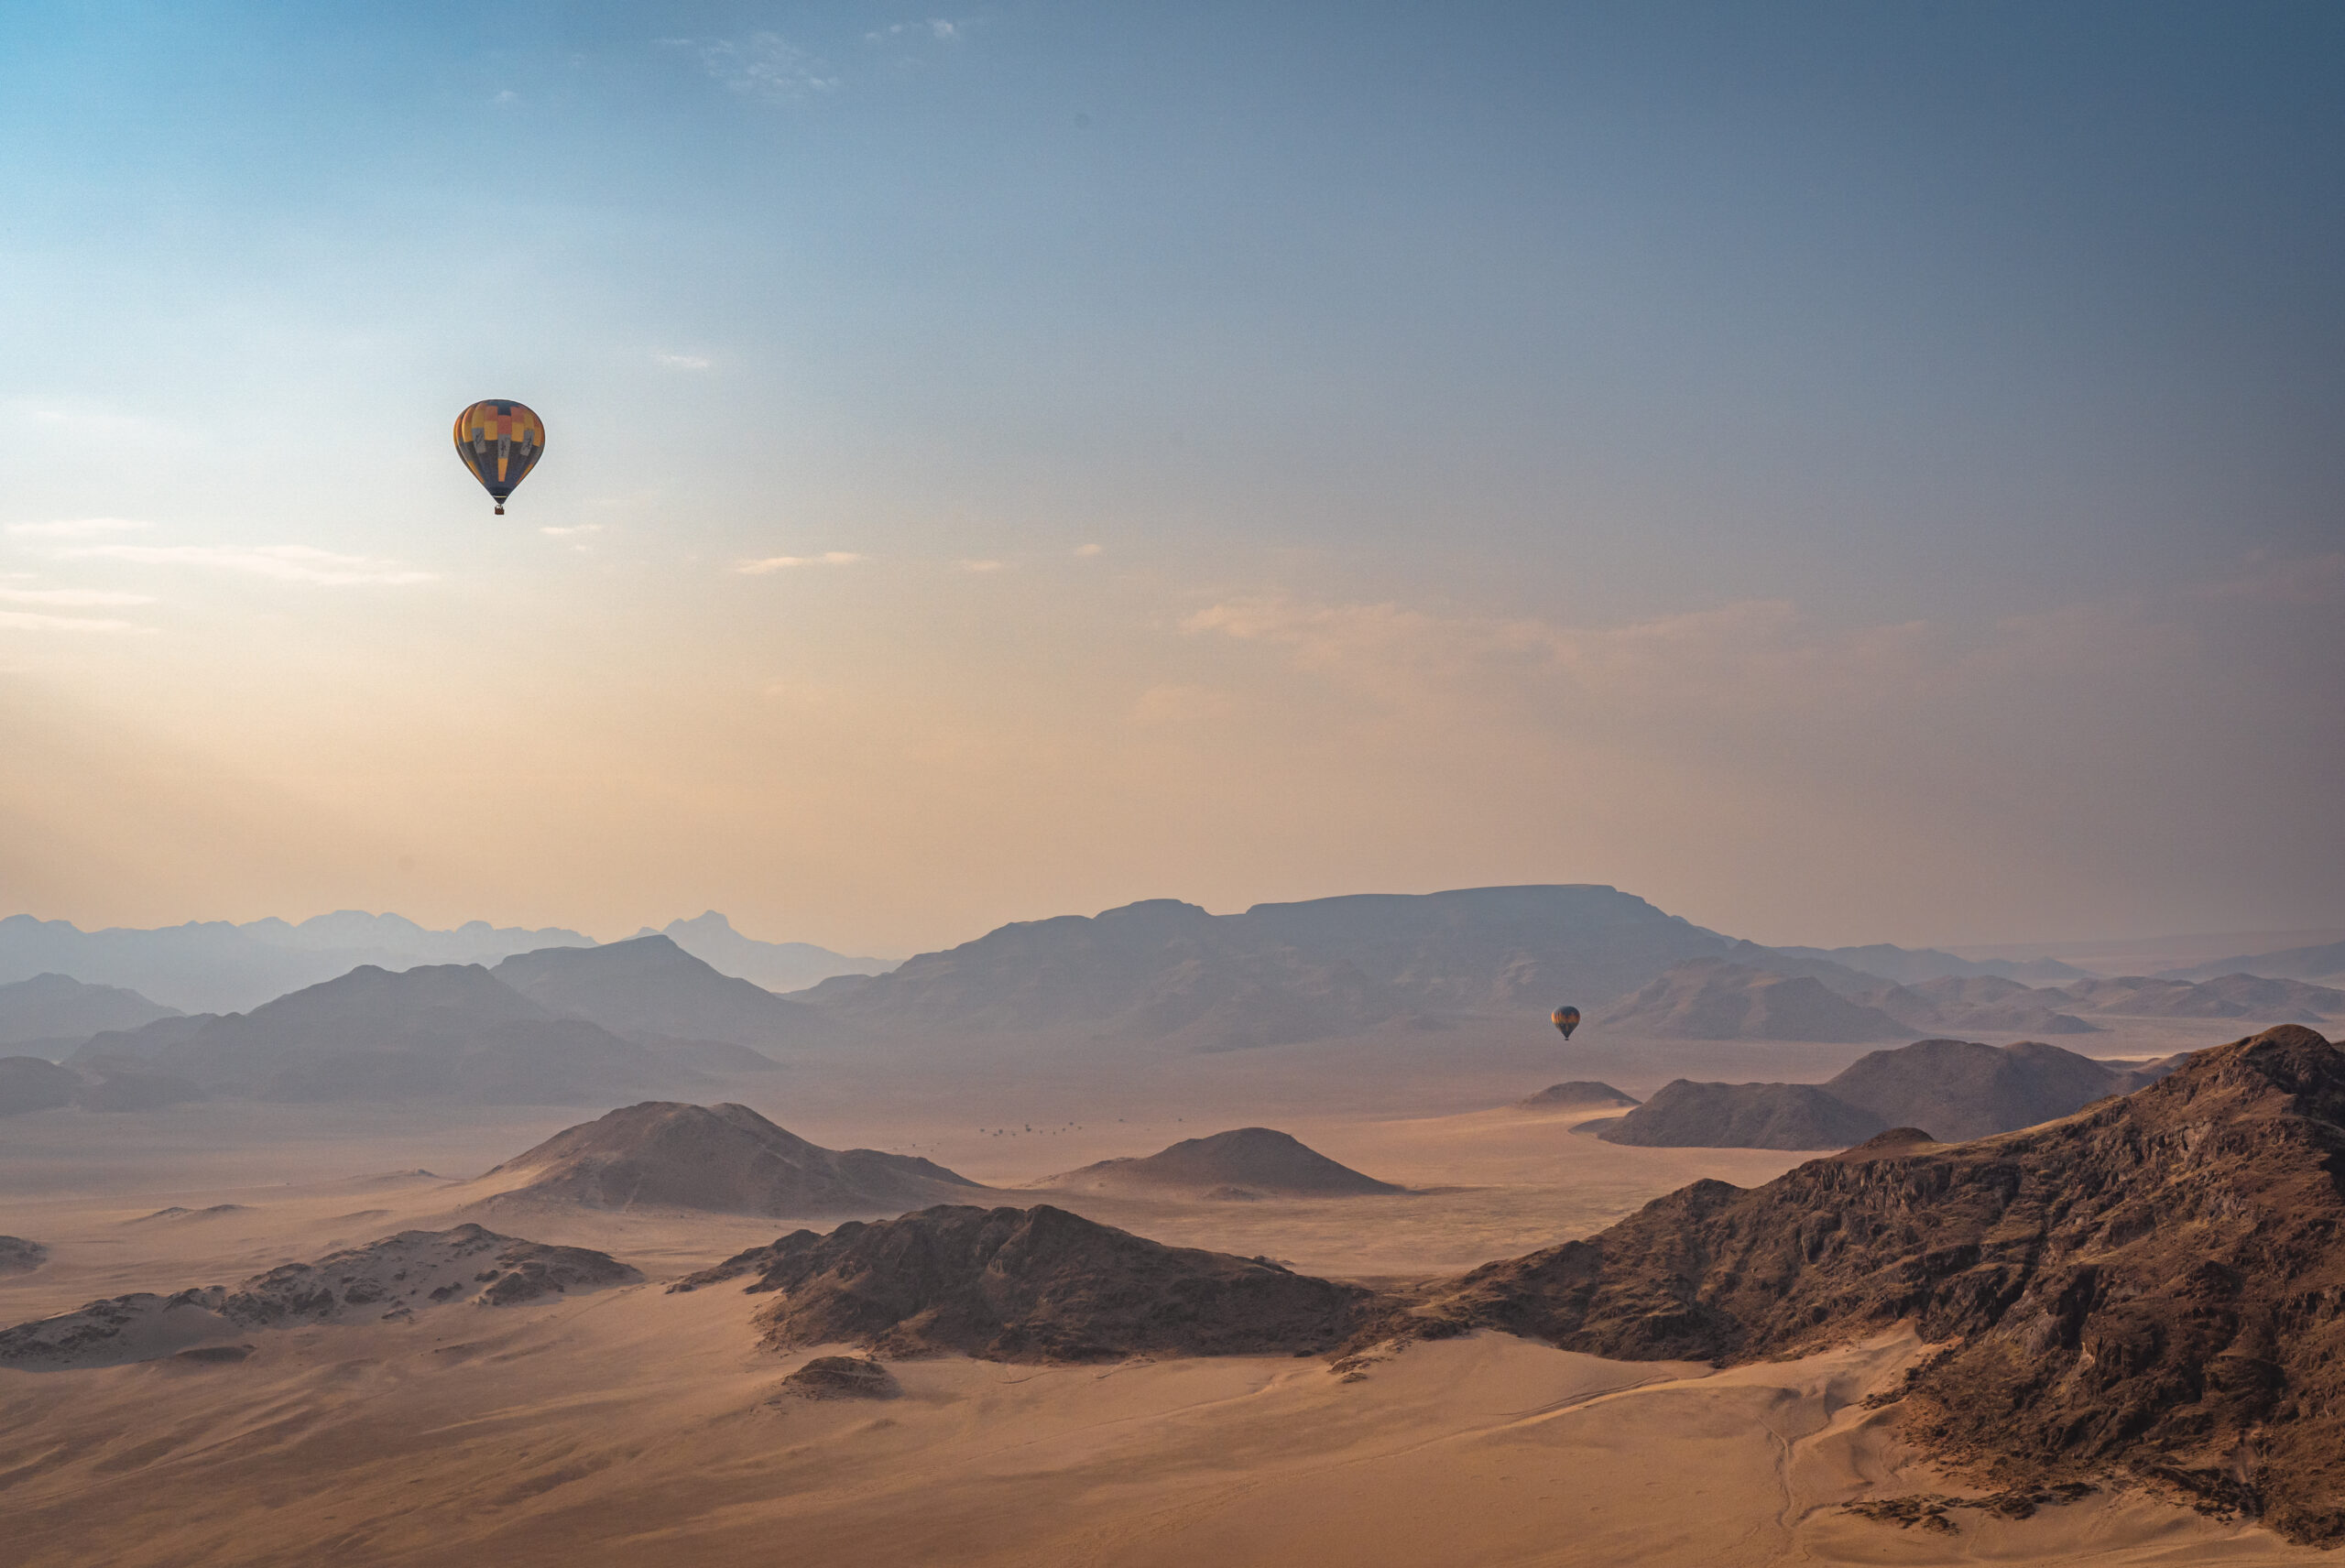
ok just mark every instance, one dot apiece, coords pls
pixel 2156 1285
pixel 1248 1160
pixel 1686 1115
pixel 728 1158
pixel 391 1279
pixel 1036 1284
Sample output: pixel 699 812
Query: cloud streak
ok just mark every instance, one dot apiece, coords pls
pixel 790 562
pixel 278 562
pixel 75 527
pixel 28 621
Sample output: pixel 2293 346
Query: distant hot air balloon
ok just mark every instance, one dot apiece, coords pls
pixel 500 441
pixel 1566 1019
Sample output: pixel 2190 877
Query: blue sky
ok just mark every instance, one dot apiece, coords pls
pixel 1325 395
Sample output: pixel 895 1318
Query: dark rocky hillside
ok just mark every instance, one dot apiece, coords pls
pixel 1037 1284
pixel 2154 1286
pixel 1685 1115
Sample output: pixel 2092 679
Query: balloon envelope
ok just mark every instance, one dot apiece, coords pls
pixel 500 441
pixel 1566 1019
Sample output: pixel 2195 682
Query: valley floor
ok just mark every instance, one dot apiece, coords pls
pixel 631 1426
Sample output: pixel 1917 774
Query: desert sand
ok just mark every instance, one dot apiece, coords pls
pixel 627 1424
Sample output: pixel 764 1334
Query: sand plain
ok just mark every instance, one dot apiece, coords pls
pixel 627 1425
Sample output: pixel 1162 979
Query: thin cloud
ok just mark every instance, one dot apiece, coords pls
pixel 279 562
pixel 764 65
pixel 572 529
pixel 30 621
pixel 981 565
pixel 789 562
pixel 84 598
pixel 1088 550
pixel 936 27
pixel 680 361
pixel 76 528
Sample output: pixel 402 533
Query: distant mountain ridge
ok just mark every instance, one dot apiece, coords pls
pixel 778 966
pixel 50 1014
pixel 215 966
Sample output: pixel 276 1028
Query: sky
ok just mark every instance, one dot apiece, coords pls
pixel 1846 472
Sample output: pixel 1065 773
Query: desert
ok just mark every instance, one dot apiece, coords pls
pixel 1033 1304
pixel 1022 785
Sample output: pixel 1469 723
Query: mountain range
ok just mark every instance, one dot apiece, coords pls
pixel 216 966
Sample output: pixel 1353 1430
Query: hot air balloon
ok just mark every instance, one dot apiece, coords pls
pixel 500 441
pixel 1566 1019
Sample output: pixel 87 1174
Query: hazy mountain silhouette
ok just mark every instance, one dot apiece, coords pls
pixel 723 1158
pixel 2156 1285
pixel 1911 966
pixel 50 1014
pixel 648 988
pixel 2224 996
pixel 213 966
pixel 1710 998
pixel 2324 962
pixel 432 1032
pixel 1981 1004
pixel 1170 972
pixel 778 966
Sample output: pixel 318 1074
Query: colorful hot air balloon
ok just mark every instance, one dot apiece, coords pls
pixel 500 441
pixel 1566 1019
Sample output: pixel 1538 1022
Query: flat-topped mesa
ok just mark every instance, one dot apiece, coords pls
pixel 390 1280
pixel 1248 1160
pixel 2154 1284
pixel 1031 1285
pixel 727 1159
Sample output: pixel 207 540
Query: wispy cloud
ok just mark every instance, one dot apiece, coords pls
pixel 84 598
pixel 30 621
pixel 572 531
pixel 281 562
pixel 936 27
pixel 786 562
pixel 981 565
pixel 766 65
pixel 680 361
pixel 76 528
pixel 1088 550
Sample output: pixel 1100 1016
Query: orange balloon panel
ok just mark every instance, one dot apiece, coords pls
pixel 500 441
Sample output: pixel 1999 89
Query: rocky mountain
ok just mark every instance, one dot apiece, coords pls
pixel 1035 1285
pixel 18 1255
pixel 1910 966
pixel 726 1158
pixel 649 989
pixel 50 1014
pixel 1967 1089
pixel 215 966
pixel 1961 1090
pixel 392 1280
pixel 776 965
pixel 1685 1115
pixel 437 1032
pixel 1578 1094
pixel 1168 972
pixel 2155 1286
pixel 1247 1163
pixel 1711 998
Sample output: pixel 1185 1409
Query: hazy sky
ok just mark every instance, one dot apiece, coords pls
pixel 1845 471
